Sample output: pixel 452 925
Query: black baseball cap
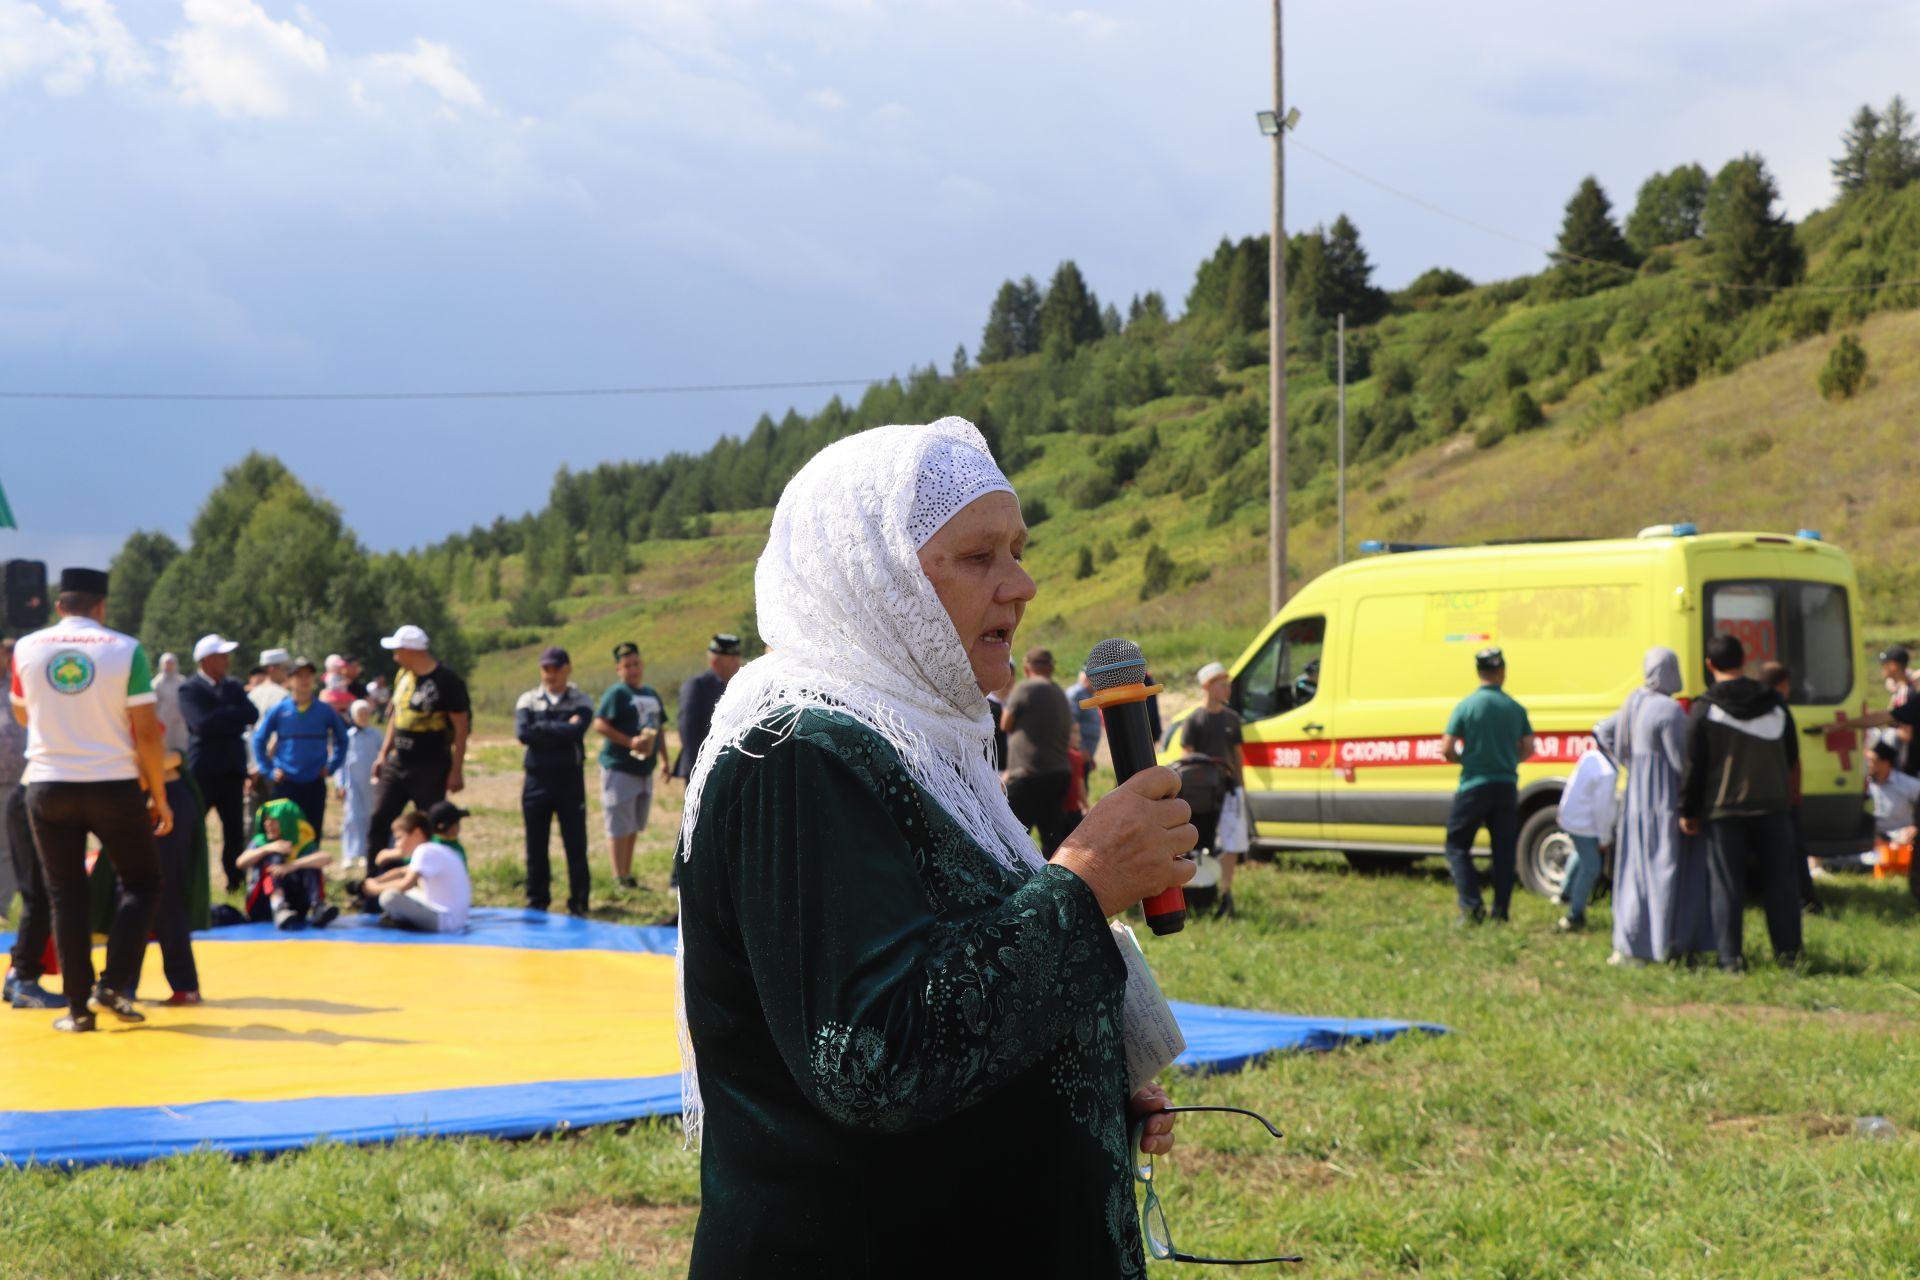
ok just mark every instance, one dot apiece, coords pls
pixel 1892 653
pixel 92 581
pixel 625 649
pixel 303 664
pixel 725 645
pixel 555 656
pixel 1490 660
pixel 444 814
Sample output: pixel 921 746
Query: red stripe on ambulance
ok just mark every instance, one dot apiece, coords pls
pixel 1393 753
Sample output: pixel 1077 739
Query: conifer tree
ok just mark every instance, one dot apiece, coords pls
pixel 1751 244
pixel 1070 314
pixel 1894 159
pixel 1857 148
pixel 1588 230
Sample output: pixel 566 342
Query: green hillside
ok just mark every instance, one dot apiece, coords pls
pixel 1756 449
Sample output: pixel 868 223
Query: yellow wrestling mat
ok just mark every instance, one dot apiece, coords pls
pixel 529 1021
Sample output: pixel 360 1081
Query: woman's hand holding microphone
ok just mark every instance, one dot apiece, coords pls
pixel 1133 843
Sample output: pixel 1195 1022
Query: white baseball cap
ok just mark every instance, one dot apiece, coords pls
pixel 1211 672
pixel 275 657
pixel 407 637
pixel 208 645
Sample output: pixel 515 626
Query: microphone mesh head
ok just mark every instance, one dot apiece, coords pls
pixel 1114 663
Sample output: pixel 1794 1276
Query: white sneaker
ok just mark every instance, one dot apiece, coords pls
pixel 1621 960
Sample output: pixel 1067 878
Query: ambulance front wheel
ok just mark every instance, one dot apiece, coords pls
pixel 1544 851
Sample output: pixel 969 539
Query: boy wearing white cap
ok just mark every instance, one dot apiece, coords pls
pixel 1213 731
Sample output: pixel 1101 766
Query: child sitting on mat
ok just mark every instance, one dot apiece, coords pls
pixel 431 893
pixel 285 870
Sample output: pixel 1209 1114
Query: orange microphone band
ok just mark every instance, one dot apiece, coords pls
pixel 1121 693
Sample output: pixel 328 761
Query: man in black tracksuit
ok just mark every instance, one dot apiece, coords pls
pixel 552 720
pixel 1737 782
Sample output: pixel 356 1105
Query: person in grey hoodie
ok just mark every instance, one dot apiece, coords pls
pixel 1737 784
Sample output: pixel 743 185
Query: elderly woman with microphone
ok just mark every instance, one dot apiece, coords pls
pixel 902 1028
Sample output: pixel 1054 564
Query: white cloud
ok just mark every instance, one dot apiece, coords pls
pixel 436 67
pixel 67 54
pixel 232 57
pixel 831 99
pixel 1095 26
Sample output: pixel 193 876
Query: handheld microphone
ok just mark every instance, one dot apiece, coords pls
pixel 1117 673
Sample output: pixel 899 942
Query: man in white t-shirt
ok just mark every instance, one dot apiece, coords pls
pixel 431 893
pixel 85 694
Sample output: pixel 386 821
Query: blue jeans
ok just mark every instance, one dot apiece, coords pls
pixel 1496 806
pixel 1583 872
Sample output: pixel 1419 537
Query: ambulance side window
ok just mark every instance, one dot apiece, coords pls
pixel 1286 672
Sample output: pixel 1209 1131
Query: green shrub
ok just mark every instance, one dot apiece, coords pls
pixel 1108 552
pixel 1091 488
pixel 1034 511
pixel 1437 282
pixel 1845 371
pixel 1394 375
pixel 1523 412
pixel 1140 528
pixel 1157 572
pixel 1083 566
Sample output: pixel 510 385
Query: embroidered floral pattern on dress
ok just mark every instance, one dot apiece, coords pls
pixel 1003 993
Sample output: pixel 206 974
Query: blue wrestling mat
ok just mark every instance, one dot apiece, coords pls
pixel 527 1023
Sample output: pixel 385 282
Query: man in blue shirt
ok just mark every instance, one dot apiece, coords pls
pixel 1488 736
pixel 1088 718
pixel 308 743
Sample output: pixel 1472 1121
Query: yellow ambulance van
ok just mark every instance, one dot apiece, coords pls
pixel 1345 693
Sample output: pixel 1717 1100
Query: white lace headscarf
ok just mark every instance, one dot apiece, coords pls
pixel 853 625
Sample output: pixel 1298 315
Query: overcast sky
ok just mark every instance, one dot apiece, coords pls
pixel 255 195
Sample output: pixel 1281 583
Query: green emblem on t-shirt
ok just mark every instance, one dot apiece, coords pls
pixel 70 671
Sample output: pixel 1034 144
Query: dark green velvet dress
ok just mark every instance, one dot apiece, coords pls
pixel 910 1056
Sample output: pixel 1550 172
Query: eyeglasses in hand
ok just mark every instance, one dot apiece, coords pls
pixel 1153 1218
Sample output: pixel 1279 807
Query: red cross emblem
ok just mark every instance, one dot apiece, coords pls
pixel 1844 742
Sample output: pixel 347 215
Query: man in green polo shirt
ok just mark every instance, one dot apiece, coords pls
pixel 1488 736
pixel 630 721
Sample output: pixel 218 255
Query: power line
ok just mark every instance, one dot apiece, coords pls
pixel 1483 228
pixel 544 393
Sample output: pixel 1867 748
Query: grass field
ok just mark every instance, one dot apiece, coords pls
pixel 1577 1121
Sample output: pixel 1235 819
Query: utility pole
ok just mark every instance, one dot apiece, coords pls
pixel 1277 329
pixel 1341 435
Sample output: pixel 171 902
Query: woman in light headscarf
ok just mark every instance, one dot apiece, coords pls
pixel 902 1026
pixel 1659 875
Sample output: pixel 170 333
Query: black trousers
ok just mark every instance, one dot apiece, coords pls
pixel 63 814
pixel 36 909
pixel 175 850
pixel 542 801
pixel 1039 801
pixel 224 793
pixel 310 796
pixel 1736 847
pixel 393 791
pixel 1495 806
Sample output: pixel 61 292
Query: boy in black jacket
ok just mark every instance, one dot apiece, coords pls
pixel 1737 781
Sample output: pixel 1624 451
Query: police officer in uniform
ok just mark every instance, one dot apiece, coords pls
pixel 551 720
pixel 94 741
